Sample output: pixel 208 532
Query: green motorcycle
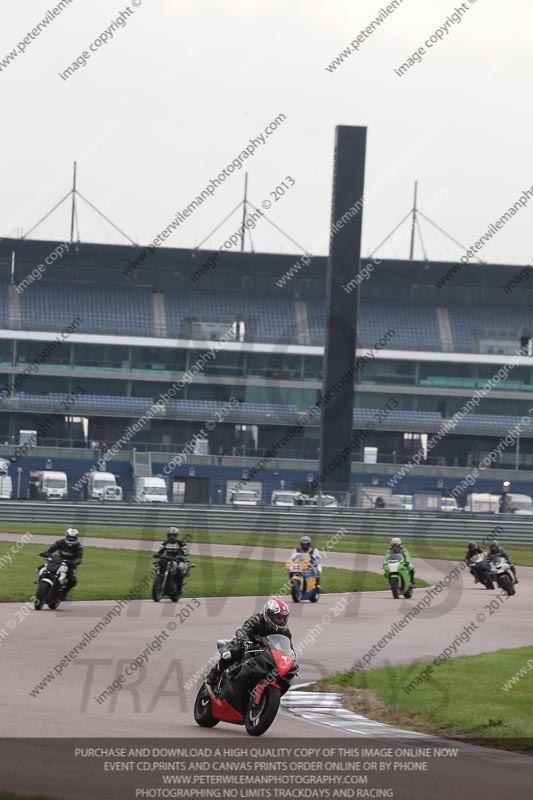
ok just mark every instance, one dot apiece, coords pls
pixel 397 575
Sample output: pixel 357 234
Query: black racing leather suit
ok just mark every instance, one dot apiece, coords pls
pixel 170 550
pixel 72 554
pixel 255 627
pixel 503 552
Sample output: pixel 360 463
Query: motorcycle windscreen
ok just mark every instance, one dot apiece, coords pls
pixel 281 652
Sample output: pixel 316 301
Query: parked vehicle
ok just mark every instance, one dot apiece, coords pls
pixel 171 579
pixel 248 693
pixel 52 485
pixel 150 490
pixel 316 501
pixel 6 487
pixel 520 504
pixel 98 483
pixel 502 574
pixel 244 498
pixel 303 578
pixel 397 575
pixel 405 499
pixel 113 493
pixel 481 566
pixel 449 504
pixel 283 498
pixel 393 501
pixel 52 579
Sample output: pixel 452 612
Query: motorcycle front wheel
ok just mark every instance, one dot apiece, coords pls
pixel 157 589
pixel 202 710
pixel 296 590
pixel 40 595
pixel 259 718
pixel 395 586
pixel 505 584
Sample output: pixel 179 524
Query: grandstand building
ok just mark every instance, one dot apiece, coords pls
pixel 229 357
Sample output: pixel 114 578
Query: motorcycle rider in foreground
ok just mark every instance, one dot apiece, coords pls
pixel 273 618
pixel 70 551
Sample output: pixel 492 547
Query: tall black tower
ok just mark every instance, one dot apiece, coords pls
pixel 341 305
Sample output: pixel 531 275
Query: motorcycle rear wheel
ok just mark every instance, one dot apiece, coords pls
pixel 40 595
pixel 315 596
pixel 157 589
pixel 203 715
pixel 259 718
pixel 395 586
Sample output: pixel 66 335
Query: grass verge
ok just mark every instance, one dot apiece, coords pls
pixel 110 574
pixel 462 698
pixel 372 545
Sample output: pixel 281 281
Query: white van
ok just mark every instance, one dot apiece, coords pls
pixel 6 487
pixel 449 504
pixel 520 504
pixel 282 498
pixel 52 485
pixel 97 484
pixel 244 498
pixel 405 499
pixel 150 490
pixel 316 501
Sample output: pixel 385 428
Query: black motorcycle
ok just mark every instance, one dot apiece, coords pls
pixel 170 577
pixel 248 693
pixel 481 568
pixel 52 579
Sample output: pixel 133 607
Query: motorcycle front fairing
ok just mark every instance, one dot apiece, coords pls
pixel 273 663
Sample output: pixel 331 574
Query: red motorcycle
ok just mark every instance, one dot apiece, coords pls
pixel 248 693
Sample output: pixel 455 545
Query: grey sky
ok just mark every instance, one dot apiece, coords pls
pixel 180 90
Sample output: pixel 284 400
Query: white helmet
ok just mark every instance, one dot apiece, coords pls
pixel 71 536
pixel 395 542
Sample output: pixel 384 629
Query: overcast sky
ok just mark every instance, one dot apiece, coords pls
pixel 178 92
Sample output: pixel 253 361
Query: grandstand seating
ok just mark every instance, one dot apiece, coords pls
pixel 102 309
pixel 489 320
pixel 267 318
pixel 4 306
pixel 415 324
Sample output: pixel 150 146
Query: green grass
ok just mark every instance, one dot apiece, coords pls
pixel 462 697
pixel 373 545
pixel 110 574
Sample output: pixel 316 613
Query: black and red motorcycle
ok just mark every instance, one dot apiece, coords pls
pixel 248 693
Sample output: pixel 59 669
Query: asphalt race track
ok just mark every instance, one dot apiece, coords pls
pixel 157 699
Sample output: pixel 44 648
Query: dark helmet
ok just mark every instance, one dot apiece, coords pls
pixel 472 546
pixel 71 536
pixel 173 534
pixel 276 615
pixel 305 543
pixel 494 547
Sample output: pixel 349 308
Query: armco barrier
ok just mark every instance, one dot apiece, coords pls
pixel 457 526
